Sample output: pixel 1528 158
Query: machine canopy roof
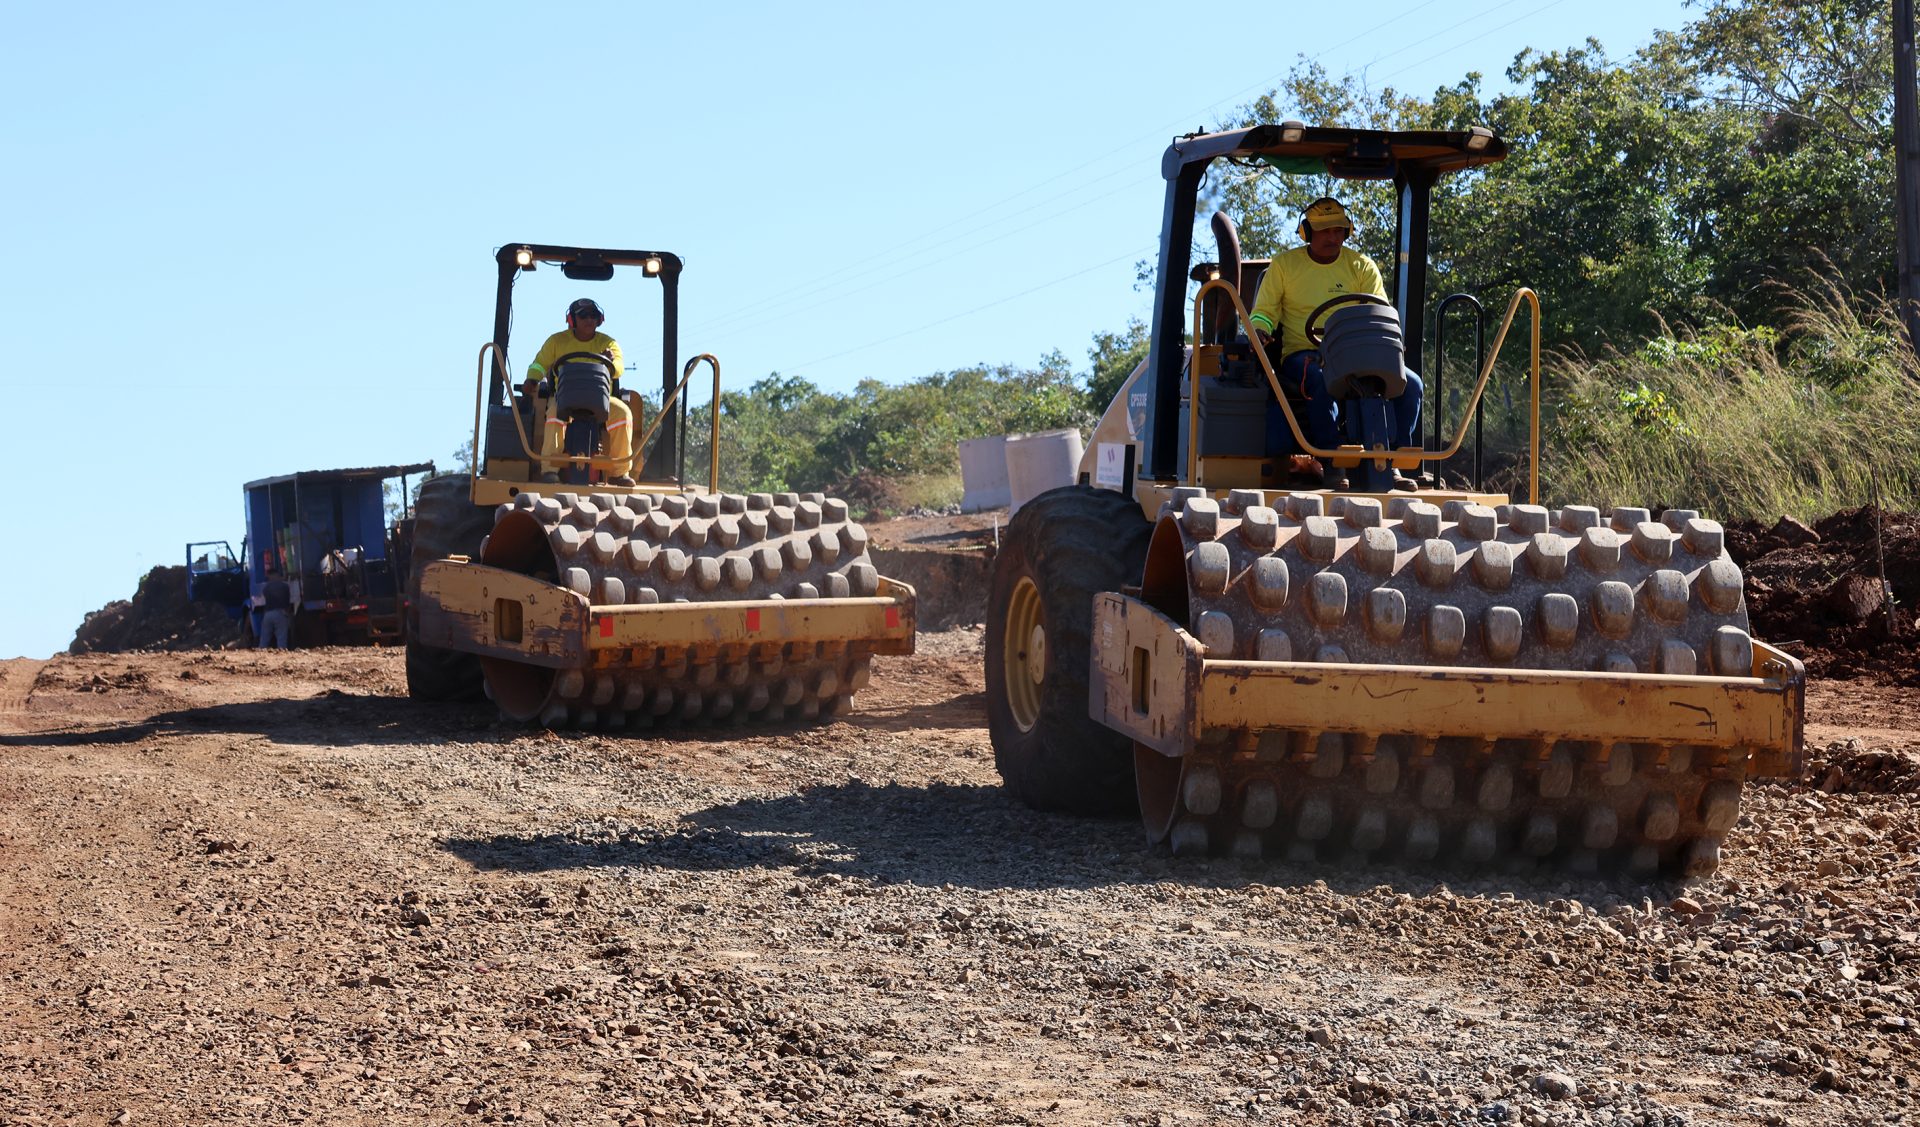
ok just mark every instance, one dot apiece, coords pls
pixel 1350 154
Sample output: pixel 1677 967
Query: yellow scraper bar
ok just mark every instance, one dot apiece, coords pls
pixel 882 619
pixel 1152 680
pixel 498 613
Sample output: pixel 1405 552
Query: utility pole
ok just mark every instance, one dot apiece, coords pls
pixel 1906 143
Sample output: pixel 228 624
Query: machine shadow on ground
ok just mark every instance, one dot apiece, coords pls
pixel 331 719
pixel 967 836
pixel 966 711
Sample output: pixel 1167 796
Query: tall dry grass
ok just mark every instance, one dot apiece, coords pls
pixel 1805 419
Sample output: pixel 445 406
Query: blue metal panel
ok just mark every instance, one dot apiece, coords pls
pixel 259 536
pixel 316 527
pixel 365 515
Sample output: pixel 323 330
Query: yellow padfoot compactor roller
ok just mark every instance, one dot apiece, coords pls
pixel 595 605
pixel 1428 675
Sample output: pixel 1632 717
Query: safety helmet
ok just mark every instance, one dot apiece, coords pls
pixel 585 307
pixel 1321 214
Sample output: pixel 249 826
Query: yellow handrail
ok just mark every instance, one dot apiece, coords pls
pixel 713 469
pixel 480 403
pixel 1533 378
pixel 592 461
pixel 1293 424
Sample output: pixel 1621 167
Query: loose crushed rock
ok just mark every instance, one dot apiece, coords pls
pixel 265 887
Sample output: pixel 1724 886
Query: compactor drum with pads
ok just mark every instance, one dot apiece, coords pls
pixel 1401 672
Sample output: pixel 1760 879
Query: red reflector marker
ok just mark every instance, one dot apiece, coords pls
pixel 893 618
pixel 606 626
pixel 753 620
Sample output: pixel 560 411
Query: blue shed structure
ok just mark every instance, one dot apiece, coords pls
pixel 327 533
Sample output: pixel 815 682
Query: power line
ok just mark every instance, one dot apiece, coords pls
pixel 976 309
pixel 894 276
pixel 1425 42
pixel 828 284
pixel 1271 81
pixel 1475 39
pixel 739 315
pixel 831 281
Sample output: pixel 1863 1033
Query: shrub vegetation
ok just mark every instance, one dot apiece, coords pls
pixel 1708 224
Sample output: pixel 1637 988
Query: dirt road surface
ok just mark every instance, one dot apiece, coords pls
pixel 267 888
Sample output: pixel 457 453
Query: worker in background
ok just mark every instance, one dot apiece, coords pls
pixel 276 617
pixel 1298 282
pixel 583 334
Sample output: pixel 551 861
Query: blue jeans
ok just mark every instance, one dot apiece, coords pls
pixel 274 626
pixel 1320 415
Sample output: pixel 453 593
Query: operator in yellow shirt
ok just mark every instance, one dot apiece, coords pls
pixel 583 335
pixel 1297 283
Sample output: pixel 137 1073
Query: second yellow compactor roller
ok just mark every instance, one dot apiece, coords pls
pixel 585 604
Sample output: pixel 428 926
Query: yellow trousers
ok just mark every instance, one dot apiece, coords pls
pixel 619 441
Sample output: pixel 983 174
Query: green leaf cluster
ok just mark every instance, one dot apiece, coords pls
pixel 1711 217
pixel 1705 178
pixel 785 433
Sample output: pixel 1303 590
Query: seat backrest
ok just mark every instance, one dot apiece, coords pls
pixel 1251 271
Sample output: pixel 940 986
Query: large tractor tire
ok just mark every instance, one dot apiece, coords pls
pixel 647 549
pixel 446 523
pixel 1351 581
pixel 1061 549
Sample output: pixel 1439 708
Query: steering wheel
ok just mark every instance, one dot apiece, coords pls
pixel 547 382
pixel 596 357
pixel 1315 331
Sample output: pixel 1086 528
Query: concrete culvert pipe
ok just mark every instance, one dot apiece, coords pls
pixel 1040 461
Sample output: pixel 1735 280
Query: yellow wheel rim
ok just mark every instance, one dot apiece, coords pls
pixel 1025 643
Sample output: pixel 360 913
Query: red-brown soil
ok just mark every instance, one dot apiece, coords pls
pixel 159 616
pixel 1822 598
pixel 249 887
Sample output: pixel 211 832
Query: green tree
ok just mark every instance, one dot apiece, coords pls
pixel 1114 357
pixel 1813 183
pixel 777 435
pixel 1603 198
pixel 1743 151
pixel 1265 203
pixel 784 433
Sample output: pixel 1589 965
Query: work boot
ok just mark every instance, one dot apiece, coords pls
pixel 623 481
pixel 549 478
pixel 1333 477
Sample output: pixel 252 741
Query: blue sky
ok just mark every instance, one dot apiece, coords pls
pixel 253 239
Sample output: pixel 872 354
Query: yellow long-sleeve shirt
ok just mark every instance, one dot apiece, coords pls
pixel 563 342
pixel 1295 285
